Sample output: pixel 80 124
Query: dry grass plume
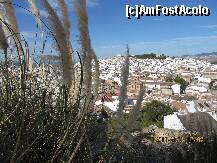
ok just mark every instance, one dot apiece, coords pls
pixel 3 40
pixel 66 21
pixel 96 75
pixel 12 21
pixel 36 12
pixel 124 84
pixel 81 12
pixel 62 44
pixel 134 113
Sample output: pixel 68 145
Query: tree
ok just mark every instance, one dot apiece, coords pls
pixel 182 82
pixel 212 86
pixel 150 56
pixel 153 113
pixel 163 56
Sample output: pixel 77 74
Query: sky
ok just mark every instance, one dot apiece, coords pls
pixel 111 31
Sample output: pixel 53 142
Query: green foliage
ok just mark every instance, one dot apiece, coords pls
pixel 182 82
pixel 178 80
pixel 212 86
pixel 150 56
pixel 153 113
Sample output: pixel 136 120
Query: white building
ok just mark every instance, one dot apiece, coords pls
pixel 176 88
pixel 173 122
pixel 204 80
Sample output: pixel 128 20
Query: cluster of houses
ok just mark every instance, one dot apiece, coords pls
pixel 153 73
pixel 198 96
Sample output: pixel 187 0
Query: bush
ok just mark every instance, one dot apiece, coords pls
pixel 150 56
pixel 182 82
pixel 37 122
pixel 153 113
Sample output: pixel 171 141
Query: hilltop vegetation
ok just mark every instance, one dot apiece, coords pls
pixel 150 56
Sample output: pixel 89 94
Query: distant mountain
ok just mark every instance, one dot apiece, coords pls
pixel 201 55
pixel 185 56
pixel 206 54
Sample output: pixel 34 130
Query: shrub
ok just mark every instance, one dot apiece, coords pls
pixel 153 113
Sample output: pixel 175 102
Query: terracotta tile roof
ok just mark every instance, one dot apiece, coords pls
pixel 166 83
pixel 179 106
pixel 185 97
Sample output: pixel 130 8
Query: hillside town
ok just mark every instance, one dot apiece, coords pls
pixel 69 92
pixel 198 95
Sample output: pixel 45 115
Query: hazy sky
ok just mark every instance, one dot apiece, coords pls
pixel 110 30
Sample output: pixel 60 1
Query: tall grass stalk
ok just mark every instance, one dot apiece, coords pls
pixel 96 75
pixel 124 83
pixel 36 12
pixel 3 40
pixel 62 45
pixel 117 122
pixel 12 21
pixel 134 113
pixel 66 21
pixel 81 12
